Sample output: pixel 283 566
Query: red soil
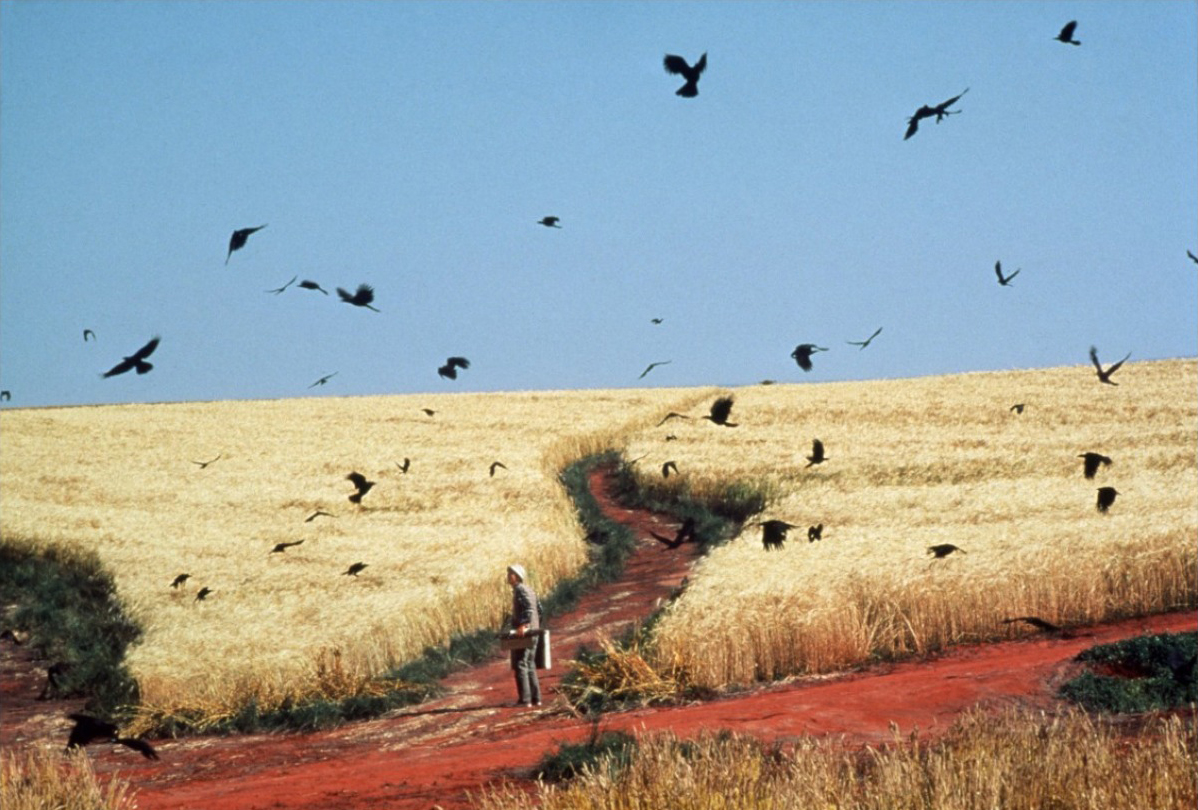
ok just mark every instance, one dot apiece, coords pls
pixel 436 753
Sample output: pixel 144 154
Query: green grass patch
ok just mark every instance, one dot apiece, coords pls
pixel 67 602
pixel 1141 674
pixel 611 750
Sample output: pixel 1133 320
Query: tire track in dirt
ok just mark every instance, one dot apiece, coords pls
pixel 436 753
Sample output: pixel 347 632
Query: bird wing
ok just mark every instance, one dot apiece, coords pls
pixel 145 351
pixel 1094 358
pixel 364 295
pixel 998 272
pixel 460 362
pixel 699 67
pixel 345 295
pixel 1115 367
pixel 1067 32
pixel 817 448
pixel 1192 256
pixel 677 65
pixel 120 368
pixel 952 100
pixel 1014 274
pixel 912 127
pixel 720 409
pixel 357 478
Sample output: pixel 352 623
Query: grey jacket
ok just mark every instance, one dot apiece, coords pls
pixel 526 608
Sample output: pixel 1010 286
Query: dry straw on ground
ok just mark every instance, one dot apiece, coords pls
pixel 38 779
pixel 914 463
pixel 1014 761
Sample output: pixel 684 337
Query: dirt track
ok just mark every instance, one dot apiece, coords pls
pixel 432 754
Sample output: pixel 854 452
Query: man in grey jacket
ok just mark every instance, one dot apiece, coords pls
pixel 526 617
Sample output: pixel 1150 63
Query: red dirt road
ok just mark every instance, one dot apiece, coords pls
pixel 436 753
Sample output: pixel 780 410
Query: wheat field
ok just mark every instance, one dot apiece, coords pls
pixel 914 463
pixel 911 463
pixel 121 480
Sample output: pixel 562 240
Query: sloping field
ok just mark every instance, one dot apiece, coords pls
pixel 436 540
pixel 916 463
pixel 911 463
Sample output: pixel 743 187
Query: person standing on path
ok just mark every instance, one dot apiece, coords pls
pixel 526 618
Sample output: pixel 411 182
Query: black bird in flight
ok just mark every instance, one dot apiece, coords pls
pixel 202 594
pixel 817 454
pixel 721 409
pixel 685 534
pixel 652 366
pixel 179 580
pixel 88 729
pixel 361 297
pixel 204 464
pixel 1193 258
pixel 939 111
pixel 1036 622
pixel 238 239
pixel 324 379
pixel 1004 280
pixel 363 486
pixel 1066 34
pixel 137 360
pixel 316 514
pixel 679 67
pixel 815 533
pixel 659 320
pixel 496 465
pixel 672 415
pixel 550 222
pixel 450 369
pixel 87 332
pixel 1092 462
pixel 312 285
pixel 354 569
pixel 802 354
pixel 665 469
pixel 280 547
pixel 1105 376
pixel 403 468
pixel 944 549
pixel 866 342
pixel 773 533
pixel 1106 497
pixel 278 290
pixel 428 411
pixel 1018 407
pixel 5 395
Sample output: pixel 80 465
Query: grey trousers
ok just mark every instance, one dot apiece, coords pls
pixel 524 662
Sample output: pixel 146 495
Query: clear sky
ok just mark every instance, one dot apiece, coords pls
pixel 413 147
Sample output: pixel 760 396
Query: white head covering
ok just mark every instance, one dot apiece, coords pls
pixel 518 570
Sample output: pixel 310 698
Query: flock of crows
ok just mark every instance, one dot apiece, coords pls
pixel 89 729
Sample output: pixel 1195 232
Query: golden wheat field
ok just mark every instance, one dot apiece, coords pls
pixel 915 463
pixel 911 463
pixel 436 540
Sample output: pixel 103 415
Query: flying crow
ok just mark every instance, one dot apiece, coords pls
pixel 137 360
pixel 679 67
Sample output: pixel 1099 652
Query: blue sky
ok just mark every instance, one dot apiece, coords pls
pixel 413 147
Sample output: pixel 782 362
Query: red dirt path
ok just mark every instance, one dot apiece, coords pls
pixel 433 754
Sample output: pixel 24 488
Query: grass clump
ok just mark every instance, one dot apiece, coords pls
pixel 1015 760
pixel 1141 674
pixel 67 602
pixel 608 752
pixel 38 780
